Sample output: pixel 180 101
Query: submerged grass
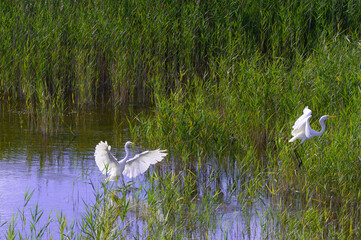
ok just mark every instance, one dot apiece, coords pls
pixel 170 207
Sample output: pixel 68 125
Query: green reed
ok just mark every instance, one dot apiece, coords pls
pixel 247 120
pixel 172 208
pixel 227 81
pixel 74 54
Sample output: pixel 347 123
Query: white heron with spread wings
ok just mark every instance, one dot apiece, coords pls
pixel 129 166
pixel 303 131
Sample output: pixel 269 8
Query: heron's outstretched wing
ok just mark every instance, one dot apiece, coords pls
pixel 104 159
pixel 299 126
pixel 141 162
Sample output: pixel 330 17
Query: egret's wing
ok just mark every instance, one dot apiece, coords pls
pixel 300 124
pixel 141 162
pixel 104 158
pixel 308 128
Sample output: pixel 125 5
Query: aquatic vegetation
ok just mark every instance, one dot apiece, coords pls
pixel 248 120
pixel 224 83
pixel 74 54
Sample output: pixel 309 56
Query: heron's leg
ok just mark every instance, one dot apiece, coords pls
pixel 122 184
pixel 298 156
pixel 122 177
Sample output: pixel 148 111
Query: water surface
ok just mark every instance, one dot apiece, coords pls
pixel 59 169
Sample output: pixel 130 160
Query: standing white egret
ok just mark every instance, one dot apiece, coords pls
pixel 303 131
pixel 131 167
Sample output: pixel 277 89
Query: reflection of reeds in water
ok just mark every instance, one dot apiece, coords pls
pixel 168 208
pixel 131 204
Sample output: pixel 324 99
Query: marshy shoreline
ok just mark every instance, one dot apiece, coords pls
pixel 219 84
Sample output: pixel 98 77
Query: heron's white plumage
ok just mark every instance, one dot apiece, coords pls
pixel 141 162
pixel 105 160
pixel 303 131
pixel 301 128
pixel 131 167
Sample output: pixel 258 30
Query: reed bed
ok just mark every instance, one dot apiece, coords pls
pixel 226 81
pixel 247 121
pixel 56 55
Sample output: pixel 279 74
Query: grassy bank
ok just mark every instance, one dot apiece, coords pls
pixel 226 79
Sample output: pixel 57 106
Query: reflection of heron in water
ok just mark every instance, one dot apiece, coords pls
pixel 131 167
pixel 119 204
pixel 140 207
pixel 103 217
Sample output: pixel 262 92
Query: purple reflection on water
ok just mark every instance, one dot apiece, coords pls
pixel 60 170
pixel 55 188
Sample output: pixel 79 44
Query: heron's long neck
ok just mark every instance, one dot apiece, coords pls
pixel 323 128
pixel 127 153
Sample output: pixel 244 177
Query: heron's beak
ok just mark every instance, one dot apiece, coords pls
pixel 332 116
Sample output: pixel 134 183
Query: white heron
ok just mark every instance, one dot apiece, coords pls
pixel 303 131
pixel 129 166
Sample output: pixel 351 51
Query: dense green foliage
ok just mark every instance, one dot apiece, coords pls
pixel 247 121
pixel 227 79
pixel 61 53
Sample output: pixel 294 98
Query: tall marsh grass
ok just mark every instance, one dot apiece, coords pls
pixel 226 79
pixel 246 122
pixel 56 55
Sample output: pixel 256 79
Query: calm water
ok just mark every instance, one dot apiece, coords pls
pixel 59 168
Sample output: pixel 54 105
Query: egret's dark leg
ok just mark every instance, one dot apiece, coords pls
pixel 298 156
pixel 122 184
pixel 123 180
